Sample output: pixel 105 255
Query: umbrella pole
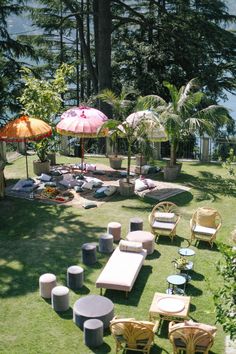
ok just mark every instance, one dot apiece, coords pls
pixel 26 161
pixel 82 153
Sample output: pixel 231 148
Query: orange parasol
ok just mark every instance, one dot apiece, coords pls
pixel 24 129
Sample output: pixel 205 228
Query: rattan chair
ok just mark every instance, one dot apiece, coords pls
pixel 205 224
pixel 133 335
pixel 191 339
pixel 163 219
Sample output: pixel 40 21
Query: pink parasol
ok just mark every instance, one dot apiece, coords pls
pixel 83 122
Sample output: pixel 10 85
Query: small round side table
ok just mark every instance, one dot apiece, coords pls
pixel 173 282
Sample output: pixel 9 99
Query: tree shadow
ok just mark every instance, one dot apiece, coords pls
pixel 210 186
pixel 54 241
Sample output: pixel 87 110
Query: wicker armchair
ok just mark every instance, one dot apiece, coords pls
pixel 205 224
pixel 130 334
pixel 191 338
pixel 163 219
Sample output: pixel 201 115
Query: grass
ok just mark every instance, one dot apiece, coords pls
pixel 36 238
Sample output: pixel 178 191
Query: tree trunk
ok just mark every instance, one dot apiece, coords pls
pixel 128 163
pixel 172 154
pixel 104 51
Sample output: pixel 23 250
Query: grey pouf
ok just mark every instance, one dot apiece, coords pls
pixel 136 224
pixel 114 228
pixel 60 298
pixel 47 282
pixel 89 253
pixel 106 243
pixel 93 333
pixel 75 277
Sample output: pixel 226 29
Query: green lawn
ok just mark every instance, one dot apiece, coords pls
pixel 36 238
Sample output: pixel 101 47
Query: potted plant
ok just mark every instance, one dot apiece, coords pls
pixel 130 133
pixel 41 99
pixel 120 106
pixel 42 165
pixel 184 114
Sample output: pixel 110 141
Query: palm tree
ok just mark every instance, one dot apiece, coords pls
pixel 184 113
pixel 120 106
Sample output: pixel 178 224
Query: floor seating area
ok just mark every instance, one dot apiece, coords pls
pixel 95 313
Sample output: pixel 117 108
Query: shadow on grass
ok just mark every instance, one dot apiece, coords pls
pixel 197 276
pixel 133 298
pixel 204 245
pixel 191 290
pixel 210 186
pixel 104 348
pixel 165 240
pixel 66 315
pixel 44 239
pixel 154 255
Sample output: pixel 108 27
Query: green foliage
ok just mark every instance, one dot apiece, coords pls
pixel 185 113
pixel 41 98
pixel 41 149
pixel 230 162
pixel 225 297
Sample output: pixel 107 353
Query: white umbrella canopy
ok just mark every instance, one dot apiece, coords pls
pixel 149 119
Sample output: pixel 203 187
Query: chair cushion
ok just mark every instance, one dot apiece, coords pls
pixel 204 230
pixel 206 217
pixel 163 225
pixel 130 246
pixel 168 217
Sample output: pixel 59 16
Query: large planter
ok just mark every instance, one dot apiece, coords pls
pixel 115 162
pixel 171 173
pixel 41 167
pixel 140 160
pixel 126 189
pixel 52 158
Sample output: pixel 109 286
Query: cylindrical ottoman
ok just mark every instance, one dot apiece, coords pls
pixel 91 307
pixel 114 228
pixel 135 224
pixel 93 333
pixel 106 243
pixel 147 239
pixel 89 253
pixel 60 298
pixel 47 282
pixel 75 277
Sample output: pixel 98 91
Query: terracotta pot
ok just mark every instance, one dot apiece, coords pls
pixel 115 162
pixel 126 189
pixel 41 167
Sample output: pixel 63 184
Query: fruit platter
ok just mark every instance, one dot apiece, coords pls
pixel 55 195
